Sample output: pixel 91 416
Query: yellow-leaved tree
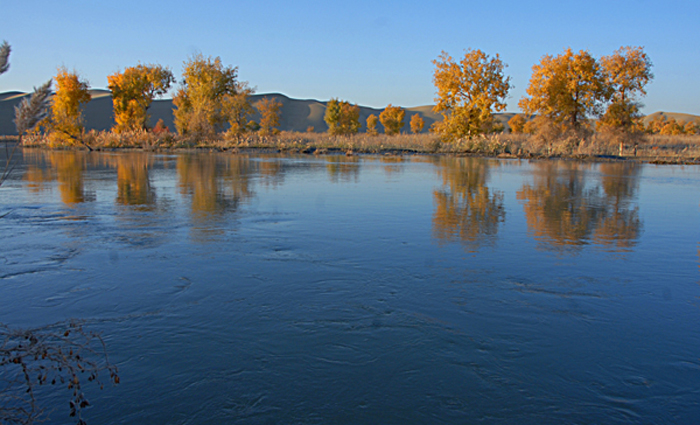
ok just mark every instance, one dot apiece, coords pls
pixel 372 125
pixel 627 71
pixel 133 91
pixel 417 123
pixel 392 119
pixel 517 123
pixel 269 109
pixel 342 117
pixel 468 92
pixel 201 106
pixel 238 109
pixel 566 89
pixel 65 124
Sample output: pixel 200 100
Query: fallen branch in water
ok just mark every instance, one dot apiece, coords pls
pixel 62 354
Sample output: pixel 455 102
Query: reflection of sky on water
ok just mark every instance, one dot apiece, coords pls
pixel 302 287
pixel 566 204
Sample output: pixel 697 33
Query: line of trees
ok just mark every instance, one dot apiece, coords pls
pixel 343 118
pixel 566 93
pixel 210 99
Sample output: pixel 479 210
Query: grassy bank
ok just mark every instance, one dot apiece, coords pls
pixel 648 148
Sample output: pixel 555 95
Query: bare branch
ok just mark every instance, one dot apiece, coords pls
pixel 59 354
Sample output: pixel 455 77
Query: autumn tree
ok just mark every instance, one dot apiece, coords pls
pixel 269 109
pixel 238 109
pixel 372 125
pixel 65 122
pixel 133 91
pixel 566 89
pixel 392 119
pixel 417 123
pixel 517 123
pixel 468 92
pixel 671 127
pixel 654 125
pixel 342 117
pixel 690 128
pixel 627 71
pixel 200 100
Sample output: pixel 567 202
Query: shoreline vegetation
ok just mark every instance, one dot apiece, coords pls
pixel 655 149
pixel 577 106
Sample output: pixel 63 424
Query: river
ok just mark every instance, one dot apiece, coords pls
pixel 365 289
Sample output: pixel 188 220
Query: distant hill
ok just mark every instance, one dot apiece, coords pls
pixel 680 117
pixel 296 114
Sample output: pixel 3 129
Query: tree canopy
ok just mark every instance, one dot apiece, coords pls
pixel 372 125
pixel 269 109
pixel 392 119
pixel 200 99
pixel 417 123
pixel 468 92
pixel 237 108
pixel 567 88
pixel 65 120
pixel 342 117
pixel 4 57
pixel 133 91
pixel 627 71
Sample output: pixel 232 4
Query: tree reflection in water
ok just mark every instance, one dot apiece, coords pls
pixel 343 168
pixel 271 170
pixel 133 184
pixel 465 208
pixel 66 167
pixel 620 226
pixel 564 211
pixel 393 164
pixel 215 183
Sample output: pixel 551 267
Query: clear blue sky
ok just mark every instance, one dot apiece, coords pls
pixel 368 52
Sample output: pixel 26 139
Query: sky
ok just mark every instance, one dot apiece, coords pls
pixel 367 52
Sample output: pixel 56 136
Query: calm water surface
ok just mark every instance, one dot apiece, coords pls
pixel 392 290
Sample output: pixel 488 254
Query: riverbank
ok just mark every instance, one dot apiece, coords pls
pixel 655 149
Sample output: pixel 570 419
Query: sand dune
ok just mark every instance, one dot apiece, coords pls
pixel 296 114
pixel 680 117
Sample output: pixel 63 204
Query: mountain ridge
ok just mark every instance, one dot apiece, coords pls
pixel 295 114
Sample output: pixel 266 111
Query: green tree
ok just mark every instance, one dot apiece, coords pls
pixel 65 120
pixel 417 123
pixel 627 71
pixel 566 89
pixel 372 125
pixel 342 117
pixel 201 98
pixel 468 92
pixel 133 91
pixel 269 110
